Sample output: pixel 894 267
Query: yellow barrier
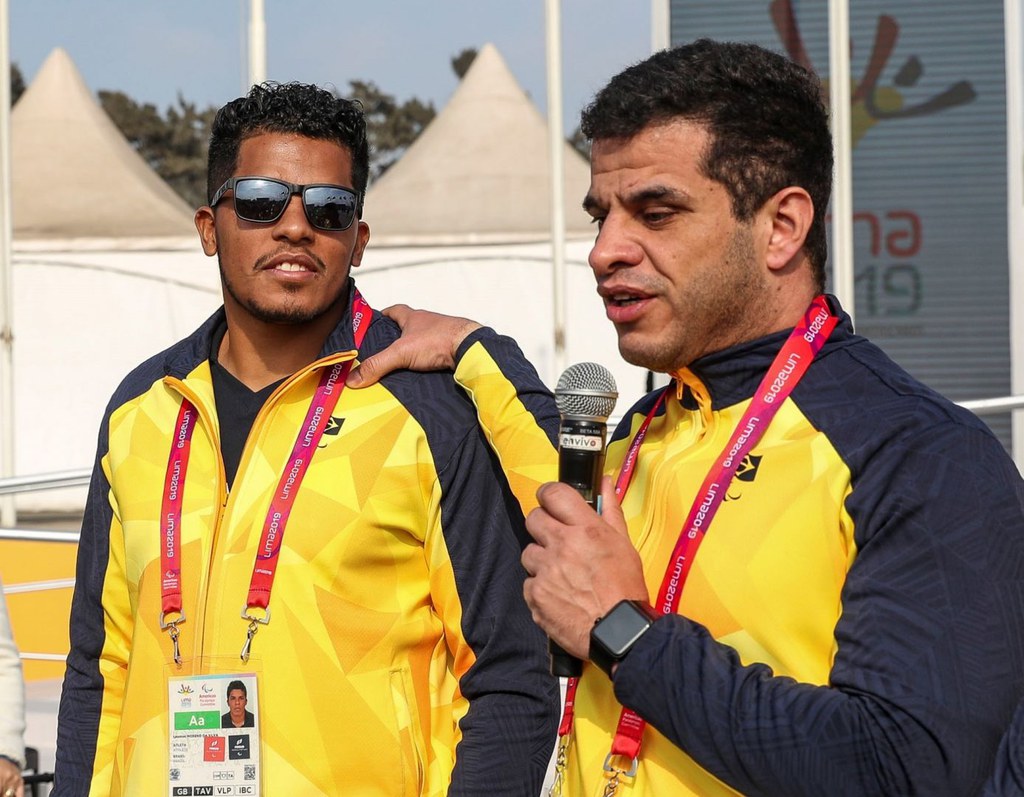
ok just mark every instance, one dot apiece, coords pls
pixel 39 619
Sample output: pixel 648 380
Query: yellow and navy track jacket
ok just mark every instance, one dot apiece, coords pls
pixel 400 658
pixel 854 620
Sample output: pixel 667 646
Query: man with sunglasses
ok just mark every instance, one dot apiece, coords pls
pixel 368 537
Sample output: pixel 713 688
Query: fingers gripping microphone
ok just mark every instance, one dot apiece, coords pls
pixel 585 396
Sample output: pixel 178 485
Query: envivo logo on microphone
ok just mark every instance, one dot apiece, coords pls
pixel 581 442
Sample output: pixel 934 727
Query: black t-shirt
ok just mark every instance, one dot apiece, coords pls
pixel 237 408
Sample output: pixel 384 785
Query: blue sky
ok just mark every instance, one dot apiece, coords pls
pixel 155 49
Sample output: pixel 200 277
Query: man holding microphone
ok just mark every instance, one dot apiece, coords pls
pixel 805 579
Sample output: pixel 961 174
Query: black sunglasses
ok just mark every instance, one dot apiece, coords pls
pixel 263 200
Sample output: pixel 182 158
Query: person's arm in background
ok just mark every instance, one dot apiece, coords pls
pixel 12 709
pixel 516 410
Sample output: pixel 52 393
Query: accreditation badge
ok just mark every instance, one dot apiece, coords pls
pixel 214 735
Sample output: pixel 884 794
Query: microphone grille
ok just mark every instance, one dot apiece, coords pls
pixel 586 390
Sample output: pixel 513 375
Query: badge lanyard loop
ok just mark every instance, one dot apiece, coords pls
pixel 789 366
pixel 257 608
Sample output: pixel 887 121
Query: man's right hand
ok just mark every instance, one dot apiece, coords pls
pixel 579 565
pixel 428 343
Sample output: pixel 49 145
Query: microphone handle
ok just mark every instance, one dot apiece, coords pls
pixel 580 464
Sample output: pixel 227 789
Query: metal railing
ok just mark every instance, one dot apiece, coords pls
pixel 44 481
pixel 993 405
pixel 38 535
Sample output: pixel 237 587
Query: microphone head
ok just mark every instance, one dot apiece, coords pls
pixel 586 390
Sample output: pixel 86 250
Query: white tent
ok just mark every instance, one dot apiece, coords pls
pixel 461 224
pixel 74 175
pixel 107 271
pixel 479 173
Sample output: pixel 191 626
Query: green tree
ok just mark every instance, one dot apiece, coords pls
pixel 184 161
pixel 463 61
pixel 174 143
pixel 17 84
pixel 390 126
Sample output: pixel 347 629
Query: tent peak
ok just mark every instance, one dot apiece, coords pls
pixel 480 170
pixel 60 136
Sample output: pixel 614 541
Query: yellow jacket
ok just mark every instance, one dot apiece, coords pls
pixel 399 658
pixel 853 623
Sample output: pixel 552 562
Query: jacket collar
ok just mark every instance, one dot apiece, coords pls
pixel 732 375
pixel 182 359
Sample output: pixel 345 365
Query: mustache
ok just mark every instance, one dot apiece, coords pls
pixel 264 260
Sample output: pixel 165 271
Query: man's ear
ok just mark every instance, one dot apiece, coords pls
pixel 362 239
pixel 207 227
pixel 791 212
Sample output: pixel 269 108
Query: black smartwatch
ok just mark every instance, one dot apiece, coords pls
pixel 614 635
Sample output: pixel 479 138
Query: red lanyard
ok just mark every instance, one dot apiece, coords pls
pixel 789 366
pixel 257 606
pixel 170 516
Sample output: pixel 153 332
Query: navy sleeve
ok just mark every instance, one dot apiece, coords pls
pixel 930 655
pixel 508 733
pixel 1008 778
pixel 509 728
pixel 82 694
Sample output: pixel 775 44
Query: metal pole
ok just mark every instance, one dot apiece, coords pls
pixel 661 25
pixel 842 188
pixel 38 535
pixel 556 141
pixel 8 515
pixel 45 481
pixel 1012 21
pixel 257 43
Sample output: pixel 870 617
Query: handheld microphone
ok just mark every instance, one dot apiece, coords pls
pixel 585 396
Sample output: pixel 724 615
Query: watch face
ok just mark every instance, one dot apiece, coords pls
pixel 620 628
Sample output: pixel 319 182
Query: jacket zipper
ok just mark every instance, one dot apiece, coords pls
pixel 224 496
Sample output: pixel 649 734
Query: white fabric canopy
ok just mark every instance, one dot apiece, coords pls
pixel 106 272
pixel 479 173
pixel 74 175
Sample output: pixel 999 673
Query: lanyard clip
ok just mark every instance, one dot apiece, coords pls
pixel 254 623
pixel 616 772
pixel 171 627
pixel 561 762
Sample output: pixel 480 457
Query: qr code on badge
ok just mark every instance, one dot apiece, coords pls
pixel 250 772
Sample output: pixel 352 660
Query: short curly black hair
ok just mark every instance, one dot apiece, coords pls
pixel 766 116
pixel 288 108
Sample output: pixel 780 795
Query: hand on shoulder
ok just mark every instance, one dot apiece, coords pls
pixel 428 343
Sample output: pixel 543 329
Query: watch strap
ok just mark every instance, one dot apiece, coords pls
pixel 600 654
